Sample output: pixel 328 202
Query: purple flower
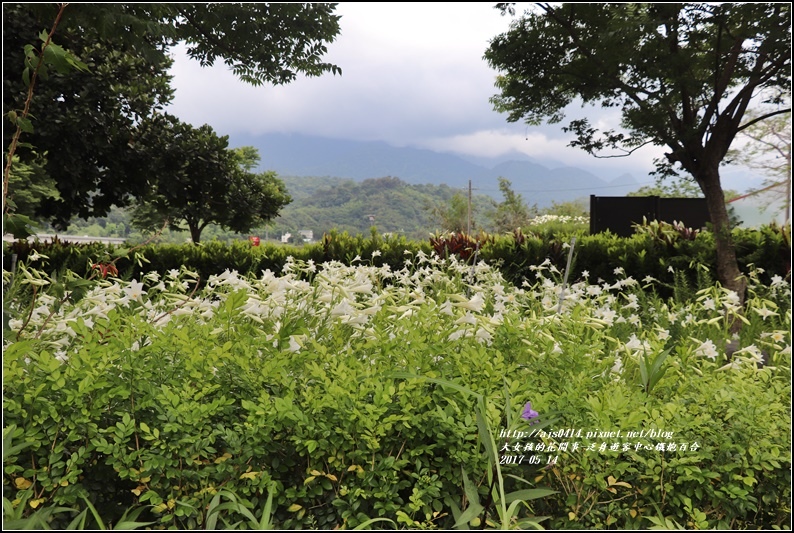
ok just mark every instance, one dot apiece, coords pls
pixel 529 413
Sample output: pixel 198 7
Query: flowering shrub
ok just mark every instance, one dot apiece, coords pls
pixel 163 391
pixel 666 232
pixel 558 219
pixel 458 244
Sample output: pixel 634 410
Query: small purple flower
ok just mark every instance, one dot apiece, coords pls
pixel 529 413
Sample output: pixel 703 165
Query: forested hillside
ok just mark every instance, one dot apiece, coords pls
pixel 323 203
pixel 320 204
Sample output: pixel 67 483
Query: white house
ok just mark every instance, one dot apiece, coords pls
pixel 306 234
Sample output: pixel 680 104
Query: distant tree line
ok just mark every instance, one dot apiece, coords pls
pixel 322 204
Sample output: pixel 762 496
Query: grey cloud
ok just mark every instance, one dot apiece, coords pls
pixel 412 75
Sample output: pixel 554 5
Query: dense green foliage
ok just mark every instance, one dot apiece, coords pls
pixel 511 213
pixel 30 185
pixel 397 207
pixel 367 377
pixel 87 123
pixel 674 189
pixel 352 393
pixel 768 150
pixel 646 59
pixel 94 127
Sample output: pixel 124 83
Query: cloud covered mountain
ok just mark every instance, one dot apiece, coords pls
pixel 300 155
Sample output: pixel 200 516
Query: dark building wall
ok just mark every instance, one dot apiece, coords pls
pixel 618 213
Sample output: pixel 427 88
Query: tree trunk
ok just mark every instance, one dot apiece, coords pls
pixel 195 232
pixel 728 271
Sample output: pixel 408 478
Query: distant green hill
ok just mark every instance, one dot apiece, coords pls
pixel 322 204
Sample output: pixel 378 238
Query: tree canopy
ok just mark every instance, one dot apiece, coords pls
pixel 85 123
pixel 683 75
pixel 94 128
pixel 511 213
pixel 260 42
pixel 199 181
pixel 453 215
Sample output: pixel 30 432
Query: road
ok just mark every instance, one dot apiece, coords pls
pixel 77 239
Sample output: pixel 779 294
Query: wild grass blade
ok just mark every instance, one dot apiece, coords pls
pixel 528 494
pixel 474 508
pixel 129 520
pixel 366 524
pixel 267 513
pixel 100 524
pixel 79 521
pixel 443 382
pixel 657 371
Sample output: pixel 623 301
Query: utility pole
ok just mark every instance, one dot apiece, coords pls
pixel 468 217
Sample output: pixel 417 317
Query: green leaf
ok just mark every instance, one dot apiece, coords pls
pixel 57 57
pixel 471 512
pixel 474 508
pixel 443 382
pixel 10 449
pixel 79 521
pixel 127 525
pixel 644 372
pixel 470 489
pixel 528 494
pixel 100 524
pixel 657 372
pixel 20 226
pixel 485 435
pixel 266 522
pixel 24 124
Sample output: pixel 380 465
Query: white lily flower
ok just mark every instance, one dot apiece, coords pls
pixel 764 313
pixel 475 304
pixel 468 318
pixel 707 349
pixel 134 291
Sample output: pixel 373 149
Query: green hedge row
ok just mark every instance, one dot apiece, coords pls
pixel 649 253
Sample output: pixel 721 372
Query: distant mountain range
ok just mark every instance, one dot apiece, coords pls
pixel 300 155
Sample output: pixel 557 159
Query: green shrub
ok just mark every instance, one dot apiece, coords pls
pixel 297 389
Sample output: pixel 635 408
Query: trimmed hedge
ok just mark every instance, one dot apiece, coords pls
pixel 650 253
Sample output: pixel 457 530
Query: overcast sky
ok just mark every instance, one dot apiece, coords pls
pixel 412 75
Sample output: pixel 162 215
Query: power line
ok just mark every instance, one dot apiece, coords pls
pixel 580 189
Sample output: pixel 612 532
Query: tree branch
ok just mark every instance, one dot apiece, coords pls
pixel 15 140
pixel 231 53
pixel 629 90
pixel 625 154
pixel 763 117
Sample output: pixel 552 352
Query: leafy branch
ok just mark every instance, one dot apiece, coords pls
pixel 51 54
